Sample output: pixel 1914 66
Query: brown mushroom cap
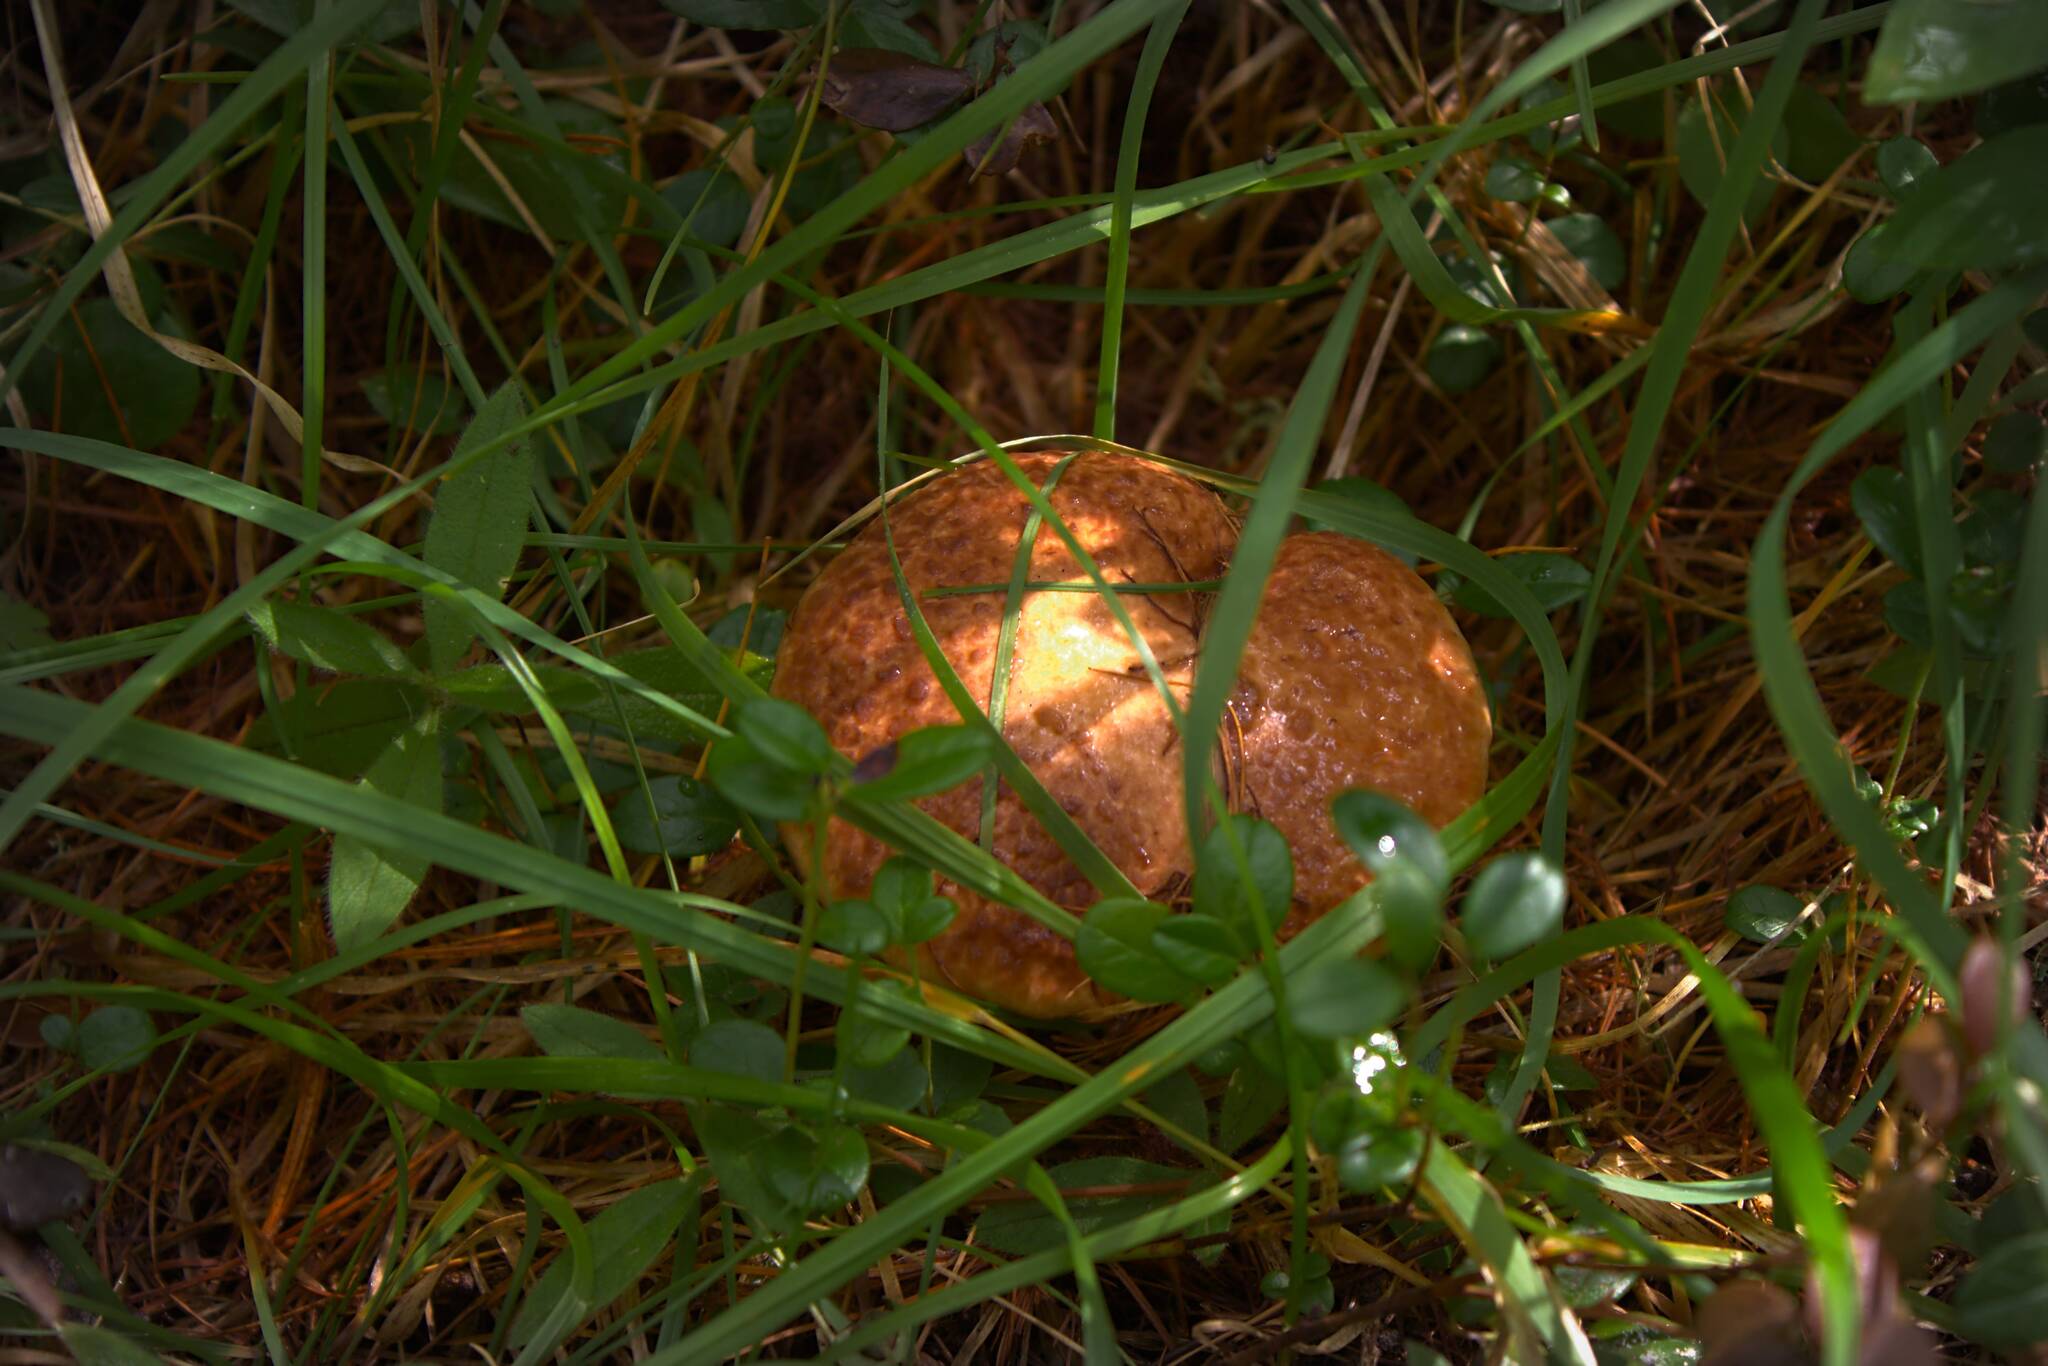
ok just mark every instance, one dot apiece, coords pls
pixel 1080 710
pixel 1354 676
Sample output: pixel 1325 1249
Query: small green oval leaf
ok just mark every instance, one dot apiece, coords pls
pixel 1201 947
pixel 1517 900
pixel 114 1038
pixel 1344 997
pixel 1114 946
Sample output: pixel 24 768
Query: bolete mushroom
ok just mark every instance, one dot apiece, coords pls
pixel 1354 676
pixel 1080 710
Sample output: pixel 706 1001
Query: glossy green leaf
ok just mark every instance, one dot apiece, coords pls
pixel 2003 1301
pixel 1554 580
pixel 1982 211
pixel 902 892
pixel 626 1239
pixel 422 404
pixel 866 1037
pixel 744 1048
pixel 1643 116
pixel 113 1038
pixel 1517 900
pixel 1587 236
pixel 1994 534
pixel 1703 145
pixel 688 818
pixel 785 735
pixel 1902 163
pixel 2016 443
pixel 750 782
pixel 338 728
pixel 1384 1156
pixel 854 928
pixel 1761 913
pixel 1411 908
pixel 1870 273
pixel 731 1138
pixel 1514 180
pixel 1344 998
pixel 713 204
pixel 900 1083
pixel 1461 358
pixel 1200 947
pixel 925 761
pixel 369 885
pixel 813 1173
pixel 1938 49
pixel 1244 868
pixel 1114 947
pixel 1820 137
pixel 479 523
pixel 330 640
pixel 2013 105
pixel 1178 1099
pixel 22 627
pixel 1884 502
pixel 1384 830
pixel 103 379
pixel 566 1031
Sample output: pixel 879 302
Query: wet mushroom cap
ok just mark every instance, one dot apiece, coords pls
pixel 1080 710
pixel 1354 676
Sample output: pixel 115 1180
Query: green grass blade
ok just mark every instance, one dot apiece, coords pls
pixel 1137 105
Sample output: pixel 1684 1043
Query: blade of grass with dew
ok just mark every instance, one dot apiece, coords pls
pixel 1137 103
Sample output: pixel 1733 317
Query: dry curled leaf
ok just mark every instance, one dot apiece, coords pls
pixel 1031 126
pixel 878 88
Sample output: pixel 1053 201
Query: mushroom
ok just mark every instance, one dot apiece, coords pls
pixel 1354 676
pixel 1080 710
